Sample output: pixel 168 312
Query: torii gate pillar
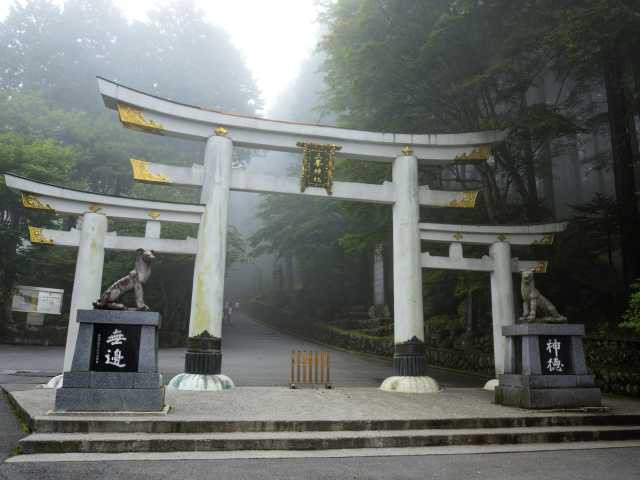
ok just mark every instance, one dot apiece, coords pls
pixel 409 362
pixel 86 282
pixel 502 306
pixel 203 360
pixel 88 277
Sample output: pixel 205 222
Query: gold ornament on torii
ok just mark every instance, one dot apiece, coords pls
pixel 36 236
pixel 141 172
pixel 317 165
pixel 134 118
pixel 29 200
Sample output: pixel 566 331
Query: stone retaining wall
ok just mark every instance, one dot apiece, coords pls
pixel 615 363
pixel 466 360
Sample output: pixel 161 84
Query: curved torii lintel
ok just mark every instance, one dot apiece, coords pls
pixel 540 234
pixel 141 111
pixel 44 196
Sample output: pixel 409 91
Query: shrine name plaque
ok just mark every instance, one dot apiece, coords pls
pixel 115 348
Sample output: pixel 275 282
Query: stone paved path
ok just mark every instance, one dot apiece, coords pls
pixel 253 355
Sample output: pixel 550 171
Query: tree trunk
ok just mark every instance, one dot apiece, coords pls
pixel 531 199
pixel 623 168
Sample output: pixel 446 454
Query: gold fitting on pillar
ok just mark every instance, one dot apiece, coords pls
pixel 407 151
pixel 221 131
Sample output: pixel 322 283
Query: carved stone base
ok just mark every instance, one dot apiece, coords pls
pixel 409 359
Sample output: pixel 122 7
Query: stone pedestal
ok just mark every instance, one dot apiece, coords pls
pixel 545 368
pixel 115 364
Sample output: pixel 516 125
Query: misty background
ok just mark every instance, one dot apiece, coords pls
pixel 539 70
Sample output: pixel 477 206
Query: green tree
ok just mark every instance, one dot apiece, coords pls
pixel 37 159
pixel 443 66
pixel 600 40
pixel 54 128
pixel 632 316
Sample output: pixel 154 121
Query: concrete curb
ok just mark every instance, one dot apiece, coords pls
pixel 286 454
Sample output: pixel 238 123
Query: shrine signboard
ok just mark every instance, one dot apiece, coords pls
pixel 317 166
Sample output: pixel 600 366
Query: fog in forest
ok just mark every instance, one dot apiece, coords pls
pixel 458 67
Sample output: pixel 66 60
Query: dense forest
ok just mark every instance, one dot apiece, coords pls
pixel 54 128
pixel 451 66
pixel 385 65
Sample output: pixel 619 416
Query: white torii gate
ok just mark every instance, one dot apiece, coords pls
pixel 92 237
pixel 499 264
pixel 221 131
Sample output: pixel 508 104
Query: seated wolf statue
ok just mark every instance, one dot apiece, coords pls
pixel 533 301
pixel 132 281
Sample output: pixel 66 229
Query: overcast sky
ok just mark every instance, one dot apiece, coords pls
pixel 274 35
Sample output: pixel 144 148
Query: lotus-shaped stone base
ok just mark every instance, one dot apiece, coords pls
pixel 410 385
pixel 200 382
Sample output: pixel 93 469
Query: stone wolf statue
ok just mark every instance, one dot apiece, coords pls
pixel 132 281
pixel 533 300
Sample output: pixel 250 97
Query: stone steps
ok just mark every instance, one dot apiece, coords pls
pixel 51 443
pixel 123 424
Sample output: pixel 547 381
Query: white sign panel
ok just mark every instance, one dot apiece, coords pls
pixel 37 300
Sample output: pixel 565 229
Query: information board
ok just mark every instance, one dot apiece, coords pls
pixel 37 300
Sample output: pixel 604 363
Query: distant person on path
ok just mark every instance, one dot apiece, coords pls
pixel 226 313
pixel 236 306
